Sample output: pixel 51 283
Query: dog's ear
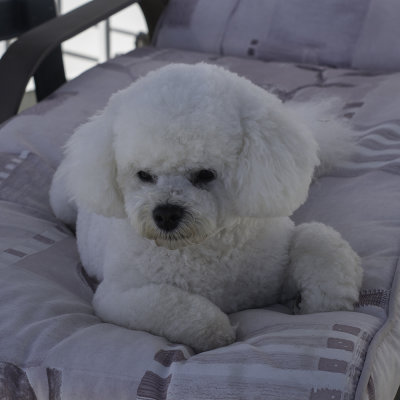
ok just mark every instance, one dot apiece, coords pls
pixel 90 167
pixel 275 165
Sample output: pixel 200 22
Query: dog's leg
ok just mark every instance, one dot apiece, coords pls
pixel 323 268
pixel 60 201
pixel 168 311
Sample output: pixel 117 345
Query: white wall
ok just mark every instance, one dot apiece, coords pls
pixel 92 42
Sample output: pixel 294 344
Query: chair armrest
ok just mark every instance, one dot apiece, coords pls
pixel 24 56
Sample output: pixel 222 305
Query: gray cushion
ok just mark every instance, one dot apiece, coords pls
pixel 54 347
pixel 359 34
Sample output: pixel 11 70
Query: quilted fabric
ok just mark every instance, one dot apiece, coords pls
pixel 358 34
pixel 54 347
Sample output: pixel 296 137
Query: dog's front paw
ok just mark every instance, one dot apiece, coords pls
pixel 215 332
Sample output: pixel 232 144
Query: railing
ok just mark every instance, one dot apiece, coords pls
pixel 106 29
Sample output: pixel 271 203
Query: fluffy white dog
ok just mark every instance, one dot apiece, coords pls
pixel 184 185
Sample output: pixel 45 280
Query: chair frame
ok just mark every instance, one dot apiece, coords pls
pixel 17 17
pixel 25 56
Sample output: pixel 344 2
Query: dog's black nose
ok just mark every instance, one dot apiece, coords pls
pixel 168 216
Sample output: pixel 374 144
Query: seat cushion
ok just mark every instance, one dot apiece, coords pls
pixel 54 347
pixel 364 33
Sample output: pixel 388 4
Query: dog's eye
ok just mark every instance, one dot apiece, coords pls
pixel 203 177
pixel 146 177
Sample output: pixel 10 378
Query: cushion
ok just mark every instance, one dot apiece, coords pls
pixel 52 344
pixel 359 34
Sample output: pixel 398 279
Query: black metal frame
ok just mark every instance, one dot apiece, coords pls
pixel 17 17
pixel 25 57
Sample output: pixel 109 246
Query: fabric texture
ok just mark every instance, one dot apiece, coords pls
pixel 358 34
pixel 54 347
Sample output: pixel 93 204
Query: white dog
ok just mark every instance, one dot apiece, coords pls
pixel 184 185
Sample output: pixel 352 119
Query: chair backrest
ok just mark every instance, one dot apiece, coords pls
pixel 11 23
pixel 361 34
pixel 17 17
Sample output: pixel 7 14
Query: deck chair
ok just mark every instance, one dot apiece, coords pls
pixel 53 346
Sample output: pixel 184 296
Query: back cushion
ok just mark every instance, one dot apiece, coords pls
pixel 355 34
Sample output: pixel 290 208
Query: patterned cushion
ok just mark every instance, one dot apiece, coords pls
pixel 53 346
pixel 339 33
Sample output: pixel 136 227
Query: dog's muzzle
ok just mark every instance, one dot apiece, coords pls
pixel 167 217
pixel 173 226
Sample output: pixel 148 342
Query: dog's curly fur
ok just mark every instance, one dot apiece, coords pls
pixel 184 185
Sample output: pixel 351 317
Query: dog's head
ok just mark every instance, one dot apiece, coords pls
pixel 186 150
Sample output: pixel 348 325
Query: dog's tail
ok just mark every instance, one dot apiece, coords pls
pixel 335 137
